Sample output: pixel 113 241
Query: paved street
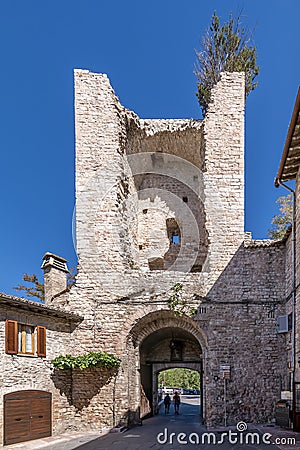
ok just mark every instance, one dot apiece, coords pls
pixel 163 432
pixel 156 433
pixel 145 436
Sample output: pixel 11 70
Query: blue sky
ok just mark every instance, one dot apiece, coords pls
pixel 148 51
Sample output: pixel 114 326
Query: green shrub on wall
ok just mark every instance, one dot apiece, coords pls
pixel 177 303
pixel 91 359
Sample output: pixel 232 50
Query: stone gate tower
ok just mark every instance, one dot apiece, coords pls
pixel 160 203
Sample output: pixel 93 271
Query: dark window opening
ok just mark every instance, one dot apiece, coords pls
pixel 196 268
pixel 290 322
pixel 145 211
pixel 140 247
pixel 185 199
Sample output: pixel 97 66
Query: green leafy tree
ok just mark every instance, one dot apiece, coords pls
pixel 224 48
pixel 282 221
pixel 180 378
pixel 34 288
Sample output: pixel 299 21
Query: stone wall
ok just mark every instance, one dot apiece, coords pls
pixel 22 372
pixel 243 336
pixel 139 182
pixel 288 299
pixel 297 300
pixel 292 306
pixel 238 328
pixel 237 289
pixel 120 158
pixel 102 233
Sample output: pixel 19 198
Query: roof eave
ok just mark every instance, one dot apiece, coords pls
pixel 35 307
pixel 289 137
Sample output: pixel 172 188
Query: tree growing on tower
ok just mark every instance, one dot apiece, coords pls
pixel 224 48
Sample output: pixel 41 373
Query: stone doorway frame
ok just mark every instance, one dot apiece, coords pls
pixel 164 318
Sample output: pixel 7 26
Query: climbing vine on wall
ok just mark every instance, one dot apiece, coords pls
pixel 91 359
pixel 177 303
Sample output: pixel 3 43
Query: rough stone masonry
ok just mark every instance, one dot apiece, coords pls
pixel 161 202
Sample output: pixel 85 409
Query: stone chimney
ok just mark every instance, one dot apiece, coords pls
pixel 55 276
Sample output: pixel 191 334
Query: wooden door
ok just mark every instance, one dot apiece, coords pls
pixel 27 416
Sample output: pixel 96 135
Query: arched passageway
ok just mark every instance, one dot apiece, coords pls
pixel 160 340
pixel 166 348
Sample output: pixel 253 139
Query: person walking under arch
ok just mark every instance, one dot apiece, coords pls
pixel 176 400
pixel 167 402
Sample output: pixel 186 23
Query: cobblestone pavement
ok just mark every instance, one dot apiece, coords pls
pixel 157 433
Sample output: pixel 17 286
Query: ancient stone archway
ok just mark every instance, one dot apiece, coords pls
pixel 162 341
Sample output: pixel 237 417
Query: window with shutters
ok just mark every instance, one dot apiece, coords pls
pixel 25 339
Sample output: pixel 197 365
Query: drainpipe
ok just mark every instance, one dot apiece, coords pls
pixel 294 286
